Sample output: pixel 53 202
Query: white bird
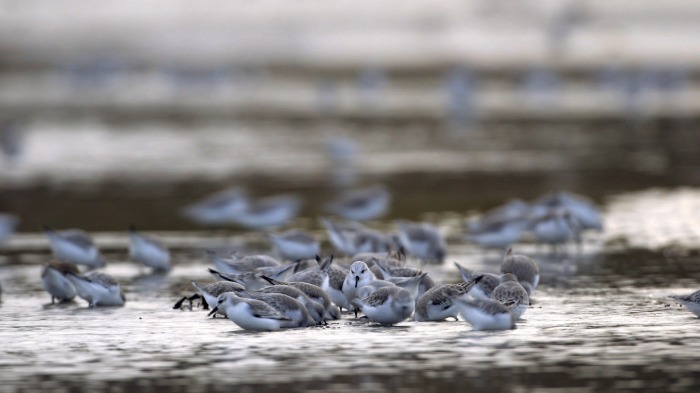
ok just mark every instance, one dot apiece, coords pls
pixel 149 251
pixel 286 305
pixel 240 265
pixel 484 288
pixel 691 302
pixel 512 295
pixel 8 224
pixel 438 302
pixel 268 212
pixel 556 227
pixel 358 277
pixel 249 314
pixel 422 240
pixel 353 238
pixel 314 293
pixel 362 205
pixel 387 306
pixel 74 246
pixel 524 268
pixel 586 214
pixel 513 210
pixel 498 235
pixel 219 208
pixel 210 292
pixel 54 280
pixel 486 314
pixel 295 245
pixel 390 273
pixel 315 309
pixel 98 289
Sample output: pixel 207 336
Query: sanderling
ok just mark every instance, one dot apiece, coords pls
pixel 54 280
pixel 315 309
pixel 362 205
pixel 295 245
pixel 486 314
pixel 268 212
pixel 513 210
pixel 389 273
pixel 250 280
pixel 8 223
pixel 512 295
pixel 691 302
pixel 249 314
pixel 334 286
pixel 498 235
pixel 98 289
pixel 286 305
pixel 412 284
pixel 556 227
pixel 218 208
pixel 524 268
pixel 279 272
pixel 353 238
pixel 372 286
pixel 486 285
pixel 387 305
pixel 149 251
pixel 438 302
pixel 239 265
pixel 422 240
pixel 391 259
pixel 358 276
pixel 586 214
pixel 210 292
pixel 74 246
pixel 314 293
pixel 316 275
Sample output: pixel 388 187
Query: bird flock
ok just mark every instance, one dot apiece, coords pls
pixel 297 288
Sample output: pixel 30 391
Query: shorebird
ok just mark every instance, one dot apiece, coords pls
pixel 486 314
pixel 149 251
pixel 387 306
pixel 239 265
pixel 524 268
pixel 219 208
pixel 75 246
pixel 249 314
pixel 422 240
pixel 8 223
pixel 353 238
pixel 268 212
pixel 362 205
pixel 438 303
pixel 54 280
pixel 691 302
pixel 486 285
pixel 98 289
pixel 512 295
pixel 358 276
pixel 295 245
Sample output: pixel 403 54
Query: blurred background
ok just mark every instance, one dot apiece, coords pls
pixel 123 112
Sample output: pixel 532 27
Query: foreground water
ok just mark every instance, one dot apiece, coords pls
pixel 600 320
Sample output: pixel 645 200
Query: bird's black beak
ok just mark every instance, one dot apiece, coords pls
pixel 357 280
pixel 213 311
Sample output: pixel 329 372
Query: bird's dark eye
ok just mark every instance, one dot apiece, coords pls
pixel 363 270
pixel 221 301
